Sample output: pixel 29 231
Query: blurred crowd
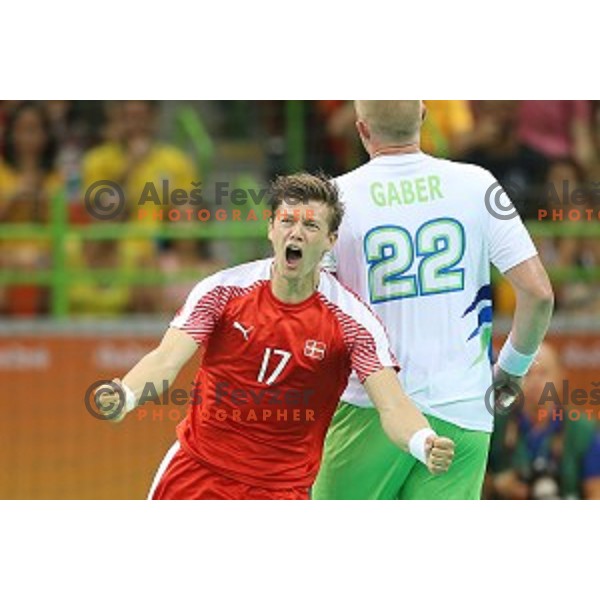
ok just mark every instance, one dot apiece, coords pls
pixel 52 151
pixel 540 151
pixel 545 447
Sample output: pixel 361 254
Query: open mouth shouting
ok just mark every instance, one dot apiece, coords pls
pixel 293 256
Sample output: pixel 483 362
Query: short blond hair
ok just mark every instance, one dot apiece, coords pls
pixel 391 120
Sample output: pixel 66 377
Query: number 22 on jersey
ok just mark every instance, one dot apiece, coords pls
pixel 405 266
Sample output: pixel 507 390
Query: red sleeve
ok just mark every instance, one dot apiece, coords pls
pixel 363 333
pixel 202 309
pixel 370 354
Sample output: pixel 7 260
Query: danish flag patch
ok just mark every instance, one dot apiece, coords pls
pixel 314 349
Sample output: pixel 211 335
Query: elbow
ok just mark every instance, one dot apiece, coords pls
pixel 538 297
pixel 532 286
pixel 545 295
pixel 542 296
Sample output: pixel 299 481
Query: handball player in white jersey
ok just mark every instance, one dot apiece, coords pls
pixel 417 242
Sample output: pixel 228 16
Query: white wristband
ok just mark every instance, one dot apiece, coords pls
pixel 416 446
pixel 130 401
pixel 513 362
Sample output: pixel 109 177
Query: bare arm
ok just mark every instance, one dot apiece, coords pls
pixel 162 363
pixel 535 302
pixel 401 419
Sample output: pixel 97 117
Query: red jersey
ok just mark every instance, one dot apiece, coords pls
pixel 272 373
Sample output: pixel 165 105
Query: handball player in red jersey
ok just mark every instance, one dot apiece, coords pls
pixel 280 338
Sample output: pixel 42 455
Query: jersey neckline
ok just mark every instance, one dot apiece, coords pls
pixel 395 159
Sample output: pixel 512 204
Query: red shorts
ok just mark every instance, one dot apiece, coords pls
pixel 180 477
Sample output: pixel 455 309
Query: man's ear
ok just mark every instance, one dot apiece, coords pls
pixel 423 112
pixel 270 230
pixel 333 236
pixel 364 134
pixel 363 130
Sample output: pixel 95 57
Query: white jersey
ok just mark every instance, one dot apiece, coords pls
pixel 416 244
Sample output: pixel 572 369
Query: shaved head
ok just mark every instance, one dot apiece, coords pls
pixel 391 121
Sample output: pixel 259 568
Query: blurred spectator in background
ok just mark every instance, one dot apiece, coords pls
pixel 518 141
pixel 111 130
pixel 448 128
pixel 72 135
pixel 583 294
pixel 133 156
pixel 181 256
pixel 105 295
pixel 495 146
pixel 28 182
pixel 7 107
pixel 340 140
pixel 593 174
pixel 495 141
pixel 538 451
pixel 549 130
pixel 28 175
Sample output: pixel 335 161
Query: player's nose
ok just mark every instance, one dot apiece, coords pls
pixel 297 231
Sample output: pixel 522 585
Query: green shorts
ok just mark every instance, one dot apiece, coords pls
pixel 361 463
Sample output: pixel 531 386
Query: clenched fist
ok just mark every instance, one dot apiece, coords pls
pixel 110 400
pixel 439 452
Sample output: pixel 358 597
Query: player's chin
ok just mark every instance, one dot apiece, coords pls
pixel 292 268
pixel 296 269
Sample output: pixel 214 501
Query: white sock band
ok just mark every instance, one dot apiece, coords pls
pixel 513 362
pixel 130 401
pixel 416 446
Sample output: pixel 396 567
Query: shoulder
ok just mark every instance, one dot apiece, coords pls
pixel 354 180
pixel 241 277
pixel 211 295
pixel 351 176
pixel 471 185
pixel 441 166
pixel 460 169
